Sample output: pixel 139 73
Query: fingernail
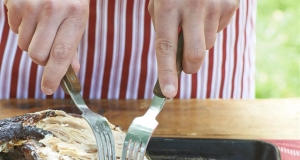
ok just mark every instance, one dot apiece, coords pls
pixel 47 91
pixel 169 88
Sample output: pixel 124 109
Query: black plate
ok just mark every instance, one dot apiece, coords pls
pixel 211 149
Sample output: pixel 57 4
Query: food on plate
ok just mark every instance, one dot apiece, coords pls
pixel 51 135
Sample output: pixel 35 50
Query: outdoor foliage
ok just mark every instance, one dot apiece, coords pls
pixel 278 49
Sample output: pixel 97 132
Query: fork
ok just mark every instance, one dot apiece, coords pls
pixel 141 128
pixel 98 124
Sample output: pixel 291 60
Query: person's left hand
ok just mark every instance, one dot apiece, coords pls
pixel 200 21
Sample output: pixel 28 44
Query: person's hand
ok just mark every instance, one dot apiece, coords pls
pixel 50 31
pixel 200 21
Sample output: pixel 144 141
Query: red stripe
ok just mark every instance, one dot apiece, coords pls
pixel 178 91
pixel 4 39
pixel 90 50
pixel 194 86
pixel 223 62
pixel 15 74
pixel 210 71
pixel 32 80
pixel 49 96
pixel 235 49
pixel 144 64
pixel 244 57
pixel 109 50
pixel 128 44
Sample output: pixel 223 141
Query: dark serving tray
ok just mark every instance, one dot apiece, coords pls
pixel 211 149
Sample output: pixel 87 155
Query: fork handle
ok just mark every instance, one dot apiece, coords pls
pixel 157 91
pixel 71 80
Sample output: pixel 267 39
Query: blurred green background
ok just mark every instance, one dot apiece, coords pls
pixel 278 49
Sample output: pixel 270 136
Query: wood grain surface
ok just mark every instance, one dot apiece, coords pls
pixel 229 119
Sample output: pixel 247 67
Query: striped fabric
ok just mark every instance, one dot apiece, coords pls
pixel 117 57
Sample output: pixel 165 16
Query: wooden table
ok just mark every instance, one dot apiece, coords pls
pixel 229 119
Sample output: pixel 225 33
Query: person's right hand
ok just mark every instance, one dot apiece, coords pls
pixel 50 31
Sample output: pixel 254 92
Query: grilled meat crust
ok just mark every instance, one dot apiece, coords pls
pixel 51 134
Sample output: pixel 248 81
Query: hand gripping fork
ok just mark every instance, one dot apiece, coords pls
pixel 99 125
pixel 141 129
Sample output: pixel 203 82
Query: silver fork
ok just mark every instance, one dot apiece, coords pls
pixel 99 125
pixel 141 129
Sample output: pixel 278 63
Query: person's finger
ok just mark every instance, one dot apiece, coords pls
pixel 75 63
pixel 194 39
pixel 227 12
pixel 151 11
pixel 211 24
pixel 166 26
pixel 26 31
pixel 62 51
pixel 14 14
pixel 43 38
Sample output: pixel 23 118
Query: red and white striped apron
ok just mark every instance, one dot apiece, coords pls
pixel 117 57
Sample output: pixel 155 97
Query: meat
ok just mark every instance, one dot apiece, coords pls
pixel 50 135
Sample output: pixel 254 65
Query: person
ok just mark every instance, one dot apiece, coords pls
pixel 113 45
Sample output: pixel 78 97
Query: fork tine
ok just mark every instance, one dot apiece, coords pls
pixel 103 142
pixel 141 156
pixel 110 146
pixel 100 145
pixel 136 150
pixel 125 148
pixel 113 152
pixel 130 151
pixel 142 151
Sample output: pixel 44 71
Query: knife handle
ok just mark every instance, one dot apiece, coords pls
pixel 71 80
pixel 157 91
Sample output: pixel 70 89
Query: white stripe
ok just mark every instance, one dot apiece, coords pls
pixel 229 63
pixel 93 86
pixel 140 44
pixel 24 76
pixel 38 92
pixel 217 67
pixel 252 52
pixel 119 50
pixel 100 50
pixel 185 86
pixel 245 94
pixel 59 93
pixel 129 89
pixel 243 49
pixel 240 52
pixel 202 77
pixel 115 50
pixel 199 82
pixel 103 43
pixel 82 55
pixel 137 47
pixel 7 65
pixel 151 66
pixel 2 19
pixel 292 152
